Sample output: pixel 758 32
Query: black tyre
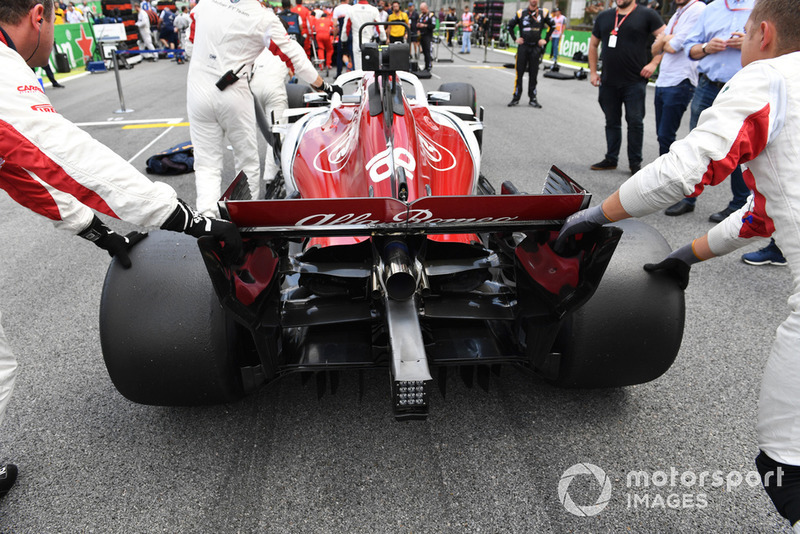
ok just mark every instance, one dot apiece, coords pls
pixel 630 331
pixel 294 94
pixel 463 94
pixel 165 338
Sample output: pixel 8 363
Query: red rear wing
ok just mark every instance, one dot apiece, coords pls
pixel 428 215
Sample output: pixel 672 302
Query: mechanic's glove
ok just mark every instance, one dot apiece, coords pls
pixel 676 264
pixel 117 246
pixel 185 219
pixel 578 223
pixel 329 89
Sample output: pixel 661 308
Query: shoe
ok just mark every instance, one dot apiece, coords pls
pixel 604 165
pixel 58 85
pixel 8 475
pixel 535 104
pixel 513 103
pixel 679 208
pixel 769 255
pixel 635 168
pixel 721 215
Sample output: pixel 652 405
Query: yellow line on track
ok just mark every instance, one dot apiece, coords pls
pixel 154 125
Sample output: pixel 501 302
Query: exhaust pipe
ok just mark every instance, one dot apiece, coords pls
pixel 398 273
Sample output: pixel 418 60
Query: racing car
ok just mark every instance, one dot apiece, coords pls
pixel 384 247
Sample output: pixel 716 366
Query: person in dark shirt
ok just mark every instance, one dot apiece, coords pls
pixel 531 45
pixel 626 33
pixel 426 25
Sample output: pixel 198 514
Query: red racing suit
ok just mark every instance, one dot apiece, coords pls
pixel 755 120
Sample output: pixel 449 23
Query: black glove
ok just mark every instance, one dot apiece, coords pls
pixel 678 264
pixel 578 223
pixel 117 246
pixel 329 89
pixel 185 219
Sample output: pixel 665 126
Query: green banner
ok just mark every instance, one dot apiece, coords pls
pixel 574 41
pixel 75 40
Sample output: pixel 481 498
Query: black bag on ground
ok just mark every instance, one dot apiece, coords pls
pixel 176 160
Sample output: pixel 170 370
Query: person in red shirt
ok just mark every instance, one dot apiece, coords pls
pixel 323 27
pixel 304 14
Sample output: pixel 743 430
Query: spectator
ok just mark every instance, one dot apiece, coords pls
pixel 677 75
pixel 397 34
pixel 143 23
pixel 57 170
pixel 344 43
pixel 560 22
pixel 451 21
pixel 754 121
pixel 715 42
pixel 530 45
pixel 383 11
pixel 413 34
pixel 426 25
pixel 467 20
pixel 60 14
pixel 73 16
pixel 625 33
pixel 360 14
pixel 226 41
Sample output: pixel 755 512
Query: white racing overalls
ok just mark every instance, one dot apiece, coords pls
pixel 755 120
pixel 228 36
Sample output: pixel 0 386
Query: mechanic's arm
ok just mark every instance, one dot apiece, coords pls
pixel 512 24
pixel 60 172
pixel 290 52
pixel 594 77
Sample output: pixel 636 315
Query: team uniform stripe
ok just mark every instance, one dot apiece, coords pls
pixel 16 148
pixel 756 222
pixel 749 143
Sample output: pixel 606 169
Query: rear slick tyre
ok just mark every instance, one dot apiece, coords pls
pixel 630 331
pixel 165 338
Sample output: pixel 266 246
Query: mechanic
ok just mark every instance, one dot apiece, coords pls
pixel 227 40
pixel 358 15
pixel 55 169
pixel 268 84
pixel 754 121
pixel 531 45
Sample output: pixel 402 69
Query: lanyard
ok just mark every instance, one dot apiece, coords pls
pixel 736 8
pixel 678 15
pixel 618 23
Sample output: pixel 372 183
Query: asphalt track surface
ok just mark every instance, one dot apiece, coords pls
pixel 284 461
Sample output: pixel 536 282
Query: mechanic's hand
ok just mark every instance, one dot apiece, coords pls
pixel 116 245
pixel 578 223
pixel 330 89
pixel 185 219
pixel 594 78
pixel 676 265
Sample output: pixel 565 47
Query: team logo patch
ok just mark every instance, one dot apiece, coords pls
pixel 30 89
pixel 44 108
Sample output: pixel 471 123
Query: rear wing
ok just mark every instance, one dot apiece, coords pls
pixel 428 215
